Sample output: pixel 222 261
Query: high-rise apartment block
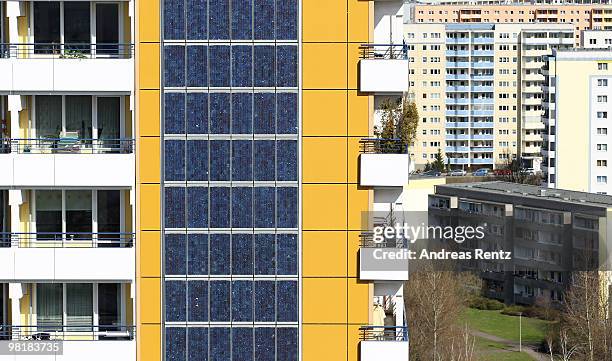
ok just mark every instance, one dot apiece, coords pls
pixel 67 192
pixel 578 98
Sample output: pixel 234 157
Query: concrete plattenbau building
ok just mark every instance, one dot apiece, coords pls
pixel 578 96
pixel 549 232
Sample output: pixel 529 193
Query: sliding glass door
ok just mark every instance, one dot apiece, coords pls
pixel 68 216
pixel 79 307
pixel 107 28
pixel 47 34
pixel 109 306
pixel 78 214
pixel 109 121
pixel 78 116
pixel 77 28
pixel 49 222
pixel 49 306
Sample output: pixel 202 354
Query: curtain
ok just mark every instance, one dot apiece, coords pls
pixel 79 306
pixel 48 306
pixel 48 116
pixel 109 118
pixel 78 115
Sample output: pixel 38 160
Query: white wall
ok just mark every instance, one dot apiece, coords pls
pixel 388 22
pixel 87 264
pixel 86 350
pixel 66 75
pixel 67 170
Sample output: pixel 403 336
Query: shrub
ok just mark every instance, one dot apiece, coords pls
pixel 483 303
pixel 515 310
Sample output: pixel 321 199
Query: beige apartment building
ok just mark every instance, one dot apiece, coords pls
pixel 478 88
pixel 583 17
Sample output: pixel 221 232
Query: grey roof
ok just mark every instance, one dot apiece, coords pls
pixel 531 191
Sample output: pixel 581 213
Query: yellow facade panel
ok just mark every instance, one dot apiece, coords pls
pixel 354 55
pixel 150 340
pixel 353 159
pixel 148 21
pixel 353 343
pixel 324 254
pixel 150 301
pixel 150 253
pixel 324 112
pixel 324 206
pixel 324 21
pixel 149 159
pixel 324 66
pixel 324 342
pixel 359 296
pixel 358 205
pixel 358 21
pixel 353 241
pixel 358 114
pixel 150 207
pixel 324 300
pixel 149 112
pixel 148 66
pixel 324 160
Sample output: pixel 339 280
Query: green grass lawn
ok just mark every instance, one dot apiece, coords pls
pixel 507 327
pixel 489 350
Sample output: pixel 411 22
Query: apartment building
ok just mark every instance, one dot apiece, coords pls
pixel 578 95
pixel 598 39
pixel 549 232
pixel 587 16
pixel 67 189
pixel 499 2
pixel 478 90
pixel 249 119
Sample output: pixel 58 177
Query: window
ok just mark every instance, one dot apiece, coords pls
pixel 602 131
pixel 602 147
pixel 602 163
pixel 602 98
pixel 602 115
pixel 76 19
pixel 72 305
pixel 67 215
pixel 602 66
pixel 56 115
pixel 602 82
pixel 602 179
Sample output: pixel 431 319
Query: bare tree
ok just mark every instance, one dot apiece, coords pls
pixel 435 303
pixel 399 120
pixel 586 318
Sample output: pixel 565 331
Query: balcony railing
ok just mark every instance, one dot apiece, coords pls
pixel 384 51
pixel 67 240
pixel 382 146
pixel 66 50
pixel 68 145
pixel 67 333
pixel 366 240
pixel 383 333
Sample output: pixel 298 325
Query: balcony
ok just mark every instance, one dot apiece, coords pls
pixel 481 136
pixel 82 256
pixel 453 101
pixel 383 68
pixel 383 163
pixel 51 67
pixel 459 160
pixel 457 64
pixel 457 124
pixel 457 112
pixel 382 260
pixel 457 89
pixel 457 137
pixel 384 343
pixel 67 162
pixel 457 149
pixel 457 76
pixel 482 160
pixel 482 125
pixel 462 53
pixel 482 88
pixel 483 64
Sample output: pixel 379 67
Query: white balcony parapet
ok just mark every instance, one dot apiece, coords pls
pixel 383 68
pixel 383 170
pixel 26 69
pixel 384 343
pixel 67 170
pixel 29 264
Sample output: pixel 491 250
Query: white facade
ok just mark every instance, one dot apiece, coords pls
pixel 596 39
